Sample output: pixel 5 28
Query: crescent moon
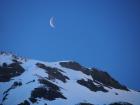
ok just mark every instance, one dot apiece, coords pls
pixel 52 22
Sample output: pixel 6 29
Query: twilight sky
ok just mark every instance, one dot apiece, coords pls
pixel 100 33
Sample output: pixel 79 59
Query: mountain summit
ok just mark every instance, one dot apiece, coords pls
pixel 31 82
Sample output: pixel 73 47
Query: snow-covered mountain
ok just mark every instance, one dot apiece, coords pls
pixel 26 82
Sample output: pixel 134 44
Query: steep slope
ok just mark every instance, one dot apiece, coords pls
pixel 26 82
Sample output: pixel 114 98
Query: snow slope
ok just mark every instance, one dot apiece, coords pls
pixel 26 82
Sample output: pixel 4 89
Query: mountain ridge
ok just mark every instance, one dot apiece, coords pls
pixel 59 83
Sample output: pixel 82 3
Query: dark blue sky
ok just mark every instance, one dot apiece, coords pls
pixel 100 33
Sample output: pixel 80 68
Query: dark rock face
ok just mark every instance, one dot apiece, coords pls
pixel 97 75
pixel 91 86
pixel 75 66
pixel 48 91
pixel 48 84
pixel 120 103
pixel 49 94
pixel 9 71
pixel 24 103
pixel 106 79
pixel 53 73
pixel 84 103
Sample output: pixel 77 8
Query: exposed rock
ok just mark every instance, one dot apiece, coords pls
pixel 75 66
pixel 120 103
pixel 45 81
pixel 97 75
pixel 106 79
pixel 9 71
pixel 53 73
pixel 24 103
pixel 46 93
pixel 48 84
pixel 91 86
pixel 84 103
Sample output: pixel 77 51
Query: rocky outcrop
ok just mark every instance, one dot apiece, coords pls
pixel 53 73
pixel 9 71
pixel 75 66
pixel 58 83
pixel 120 103
pixel 106 79
pixel 91 86
pixel 48 91
pixel 84 103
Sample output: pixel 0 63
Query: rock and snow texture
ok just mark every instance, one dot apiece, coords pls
pixel 31 82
